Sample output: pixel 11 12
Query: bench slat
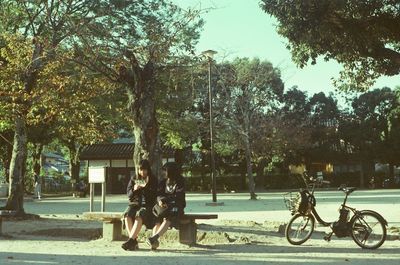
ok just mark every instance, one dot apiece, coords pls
pixel 109 216
pixel 106 216
pixel 199 216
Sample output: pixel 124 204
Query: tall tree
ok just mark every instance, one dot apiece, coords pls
pixel 361 35
pixel 41 26
pixel 292 137
pixel 324 120
pixel 88 114
pixel 137 39
pixel 177 99
pixel 247 88
pixel 375 112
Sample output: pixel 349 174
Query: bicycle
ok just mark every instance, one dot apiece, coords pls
pixel 366 227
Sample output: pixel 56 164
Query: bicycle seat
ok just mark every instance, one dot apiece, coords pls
pixel 347 190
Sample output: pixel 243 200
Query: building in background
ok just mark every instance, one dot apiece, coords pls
pixel 117 158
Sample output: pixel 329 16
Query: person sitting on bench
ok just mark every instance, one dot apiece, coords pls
pixel 142 193
pixel 170 202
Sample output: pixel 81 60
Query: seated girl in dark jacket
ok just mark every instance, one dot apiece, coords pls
pixel 171 201
pixel 142 193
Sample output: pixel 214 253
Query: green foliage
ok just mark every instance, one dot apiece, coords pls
pixel 373 126
pixel 135 34
pixel 177 92
pixel 178 132
pixel 224 146
pixel 361 35
pixel 15 55
pixel 246 91
pixel 290 137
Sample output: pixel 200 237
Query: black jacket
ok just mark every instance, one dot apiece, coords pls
pixel 176 196
pixel 148 193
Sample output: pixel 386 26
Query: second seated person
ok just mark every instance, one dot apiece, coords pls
pixel 142 193
pixel 171 201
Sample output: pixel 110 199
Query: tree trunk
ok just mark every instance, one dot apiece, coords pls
pixel 391 173
pixel 37 158
pixel 246 139
pixel 74 163
pixel 6 138
pixel 250 176
pixel 141 104
pixel 362 176
pixel 17 170
pixel 260 173
pixel 15 199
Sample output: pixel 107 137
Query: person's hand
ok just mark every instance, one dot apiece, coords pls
pixel 139 184
pixel 162 204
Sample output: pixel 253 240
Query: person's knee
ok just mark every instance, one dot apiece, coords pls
pixel 167 222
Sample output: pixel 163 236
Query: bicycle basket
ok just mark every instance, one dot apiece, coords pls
pixel 292 201
pixel 300 202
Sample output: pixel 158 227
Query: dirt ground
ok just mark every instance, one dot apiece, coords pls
pixel 68 239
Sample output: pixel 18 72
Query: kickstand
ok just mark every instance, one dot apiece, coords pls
pixel 327 237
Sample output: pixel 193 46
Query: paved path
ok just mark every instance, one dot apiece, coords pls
pixel 273 249
pixel 237 206
pixel 277 252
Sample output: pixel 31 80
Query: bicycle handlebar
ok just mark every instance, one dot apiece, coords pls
pixel 321 181
pixel 312 180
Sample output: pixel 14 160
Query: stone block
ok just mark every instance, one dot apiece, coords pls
pixel 112 230
pixel 188 233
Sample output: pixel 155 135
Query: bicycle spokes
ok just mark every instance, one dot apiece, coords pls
pixel 299 229
pixel 368 231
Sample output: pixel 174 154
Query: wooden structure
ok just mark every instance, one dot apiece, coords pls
pixel 117 158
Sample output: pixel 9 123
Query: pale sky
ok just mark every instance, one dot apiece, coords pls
pixel 239 28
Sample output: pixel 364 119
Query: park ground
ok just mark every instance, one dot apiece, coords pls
pixel 246 232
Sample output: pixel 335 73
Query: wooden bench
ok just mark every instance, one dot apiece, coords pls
pixel 5 213
pixel 112 225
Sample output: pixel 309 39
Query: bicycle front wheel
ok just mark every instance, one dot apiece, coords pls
pixel 299 229
pixel 368 230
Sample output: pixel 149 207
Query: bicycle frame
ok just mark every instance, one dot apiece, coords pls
pixel 322 222
pixel 315 213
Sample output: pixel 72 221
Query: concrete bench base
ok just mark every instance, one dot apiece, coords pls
pixel 112 230
pixel 112 225
pixel 188 232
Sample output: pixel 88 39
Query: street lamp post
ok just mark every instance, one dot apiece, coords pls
pixel 210 54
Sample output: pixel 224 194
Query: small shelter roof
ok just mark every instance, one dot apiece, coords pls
pixel 107 151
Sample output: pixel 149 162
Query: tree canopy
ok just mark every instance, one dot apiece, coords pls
pixel 361 35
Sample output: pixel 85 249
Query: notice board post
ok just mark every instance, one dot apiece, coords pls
pixel 97 175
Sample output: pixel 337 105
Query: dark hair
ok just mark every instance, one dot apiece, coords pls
pixel 145 164
pixel 172 169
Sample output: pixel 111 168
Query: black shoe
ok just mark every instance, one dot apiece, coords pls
pixel 153 242
pixel 131 244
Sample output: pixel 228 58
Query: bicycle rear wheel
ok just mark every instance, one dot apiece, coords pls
pixel 368 230
pixel 299 229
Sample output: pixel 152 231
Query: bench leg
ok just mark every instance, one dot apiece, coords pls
pixel 188 233
pixel 112 231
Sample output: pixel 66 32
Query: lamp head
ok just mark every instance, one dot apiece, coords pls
pixel 209 54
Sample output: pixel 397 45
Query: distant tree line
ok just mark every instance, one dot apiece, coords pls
pixel 265 128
